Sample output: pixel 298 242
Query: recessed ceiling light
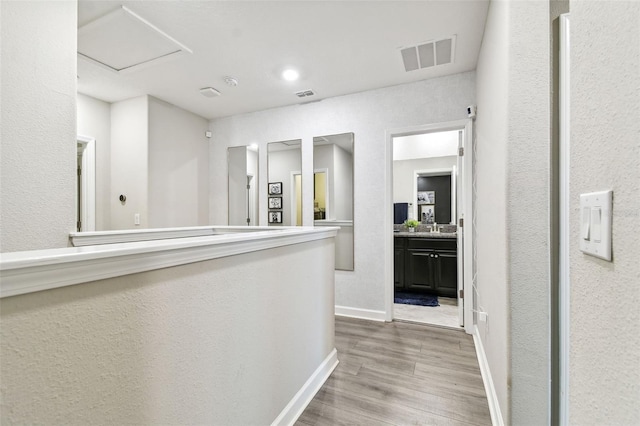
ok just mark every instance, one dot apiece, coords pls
pixel 290 74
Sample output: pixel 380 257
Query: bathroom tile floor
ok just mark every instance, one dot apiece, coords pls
pixel 445 315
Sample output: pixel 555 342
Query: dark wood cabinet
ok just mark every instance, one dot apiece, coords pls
pixel 428 265
pixel 398 259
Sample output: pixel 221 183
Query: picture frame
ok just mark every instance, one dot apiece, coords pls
pixel 275 188
pixel 427 213
pixel 426 197
pixel 275 217
pixel 275 202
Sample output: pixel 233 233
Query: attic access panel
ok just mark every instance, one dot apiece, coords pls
pixel 122 41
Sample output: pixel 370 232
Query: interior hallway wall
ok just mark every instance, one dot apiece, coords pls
pixel 94 120
pixel 369 115
pixel 38 127
pixel 513 207
pixel 604 381
pixel 129 162
pixel 178 167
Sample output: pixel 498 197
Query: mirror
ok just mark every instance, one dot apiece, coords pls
pixel 243 185
pixel 333 192
pixel 284 189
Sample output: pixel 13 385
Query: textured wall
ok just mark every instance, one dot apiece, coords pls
pixel 368 115
pixel 528 210
pixel 94 120
pixel 129 162
pixel 491 197
pixel 38 127
pixel 223 342
pixel 178 167
pixel 513 207
pixel 604 368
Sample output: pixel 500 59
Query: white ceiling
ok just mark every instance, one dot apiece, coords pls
pixel 339 47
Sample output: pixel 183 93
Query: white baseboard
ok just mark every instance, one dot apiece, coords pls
pixel 492 397
pixel 368 314
pixel 303 397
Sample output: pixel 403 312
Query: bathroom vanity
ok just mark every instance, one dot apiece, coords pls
pixel 426 262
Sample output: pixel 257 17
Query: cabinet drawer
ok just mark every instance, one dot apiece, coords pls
pixel 431 243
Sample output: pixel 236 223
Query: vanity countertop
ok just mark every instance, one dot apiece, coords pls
pixel 425 234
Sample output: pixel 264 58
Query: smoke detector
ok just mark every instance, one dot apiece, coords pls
pixel 231 81
pixel 209 92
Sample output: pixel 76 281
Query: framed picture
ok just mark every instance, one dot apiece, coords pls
pixel 275 188
pixel 275 202
pixel 275 217
pixel 426 197
pixel 427 213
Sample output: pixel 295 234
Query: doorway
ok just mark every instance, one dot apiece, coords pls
pixel 86 184
pixel 413 265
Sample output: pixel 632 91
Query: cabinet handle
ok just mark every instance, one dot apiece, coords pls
pixel 432 256
pixel 436 256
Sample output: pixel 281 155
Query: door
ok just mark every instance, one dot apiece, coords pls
pixel 460 191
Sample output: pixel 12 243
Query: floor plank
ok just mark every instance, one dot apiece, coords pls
pixel 400 373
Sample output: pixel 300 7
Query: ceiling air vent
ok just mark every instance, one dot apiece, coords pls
pixel 305 93
pixel 429 54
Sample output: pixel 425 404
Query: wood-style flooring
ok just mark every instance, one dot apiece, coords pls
pixel 400 374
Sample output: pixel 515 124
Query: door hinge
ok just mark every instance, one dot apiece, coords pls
pixel 461 151
pixel 461 222
pixel 79 226
pixel 461 294
pixel 79 171
pixel 248 186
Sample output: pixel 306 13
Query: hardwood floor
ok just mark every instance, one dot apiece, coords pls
pixel 400 374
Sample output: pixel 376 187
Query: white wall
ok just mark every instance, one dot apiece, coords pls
pixel 323 158
pixel 223 342
pixel 281 164
pixel 491 197
pixel 404 176
pixel 343 184
pixel 94 120
pixel 178 167
pixel 38 124
pixel 368 115
pixel 129 162
pixel 604 381
pixel 513 207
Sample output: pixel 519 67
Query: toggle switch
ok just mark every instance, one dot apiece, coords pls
pixel 595 224
pixel 586 222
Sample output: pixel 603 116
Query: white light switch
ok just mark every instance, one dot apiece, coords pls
pixel 596 220
pixel 136 219
pixel 595 224
pixel 586 223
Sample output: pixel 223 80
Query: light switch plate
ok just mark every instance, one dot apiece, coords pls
pixel 595 224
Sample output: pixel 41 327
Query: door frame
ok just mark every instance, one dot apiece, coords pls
pixel 464 211
pixel 88 184
pixel 564 279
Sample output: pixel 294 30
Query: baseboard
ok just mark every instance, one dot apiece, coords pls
pixel 368 314
pixel 492 396
pixel 303 397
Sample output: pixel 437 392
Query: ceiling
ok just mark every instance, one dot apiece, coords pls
pixel 339 47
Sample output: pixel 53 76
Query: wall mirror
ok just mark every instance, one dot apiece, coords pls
pixel 243 185
pixel 333 191
pixel 284 189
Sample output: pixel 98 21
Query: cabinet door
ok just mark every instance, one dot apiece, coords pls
pixel 398 267
pixel 420 270
pixel 447 273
